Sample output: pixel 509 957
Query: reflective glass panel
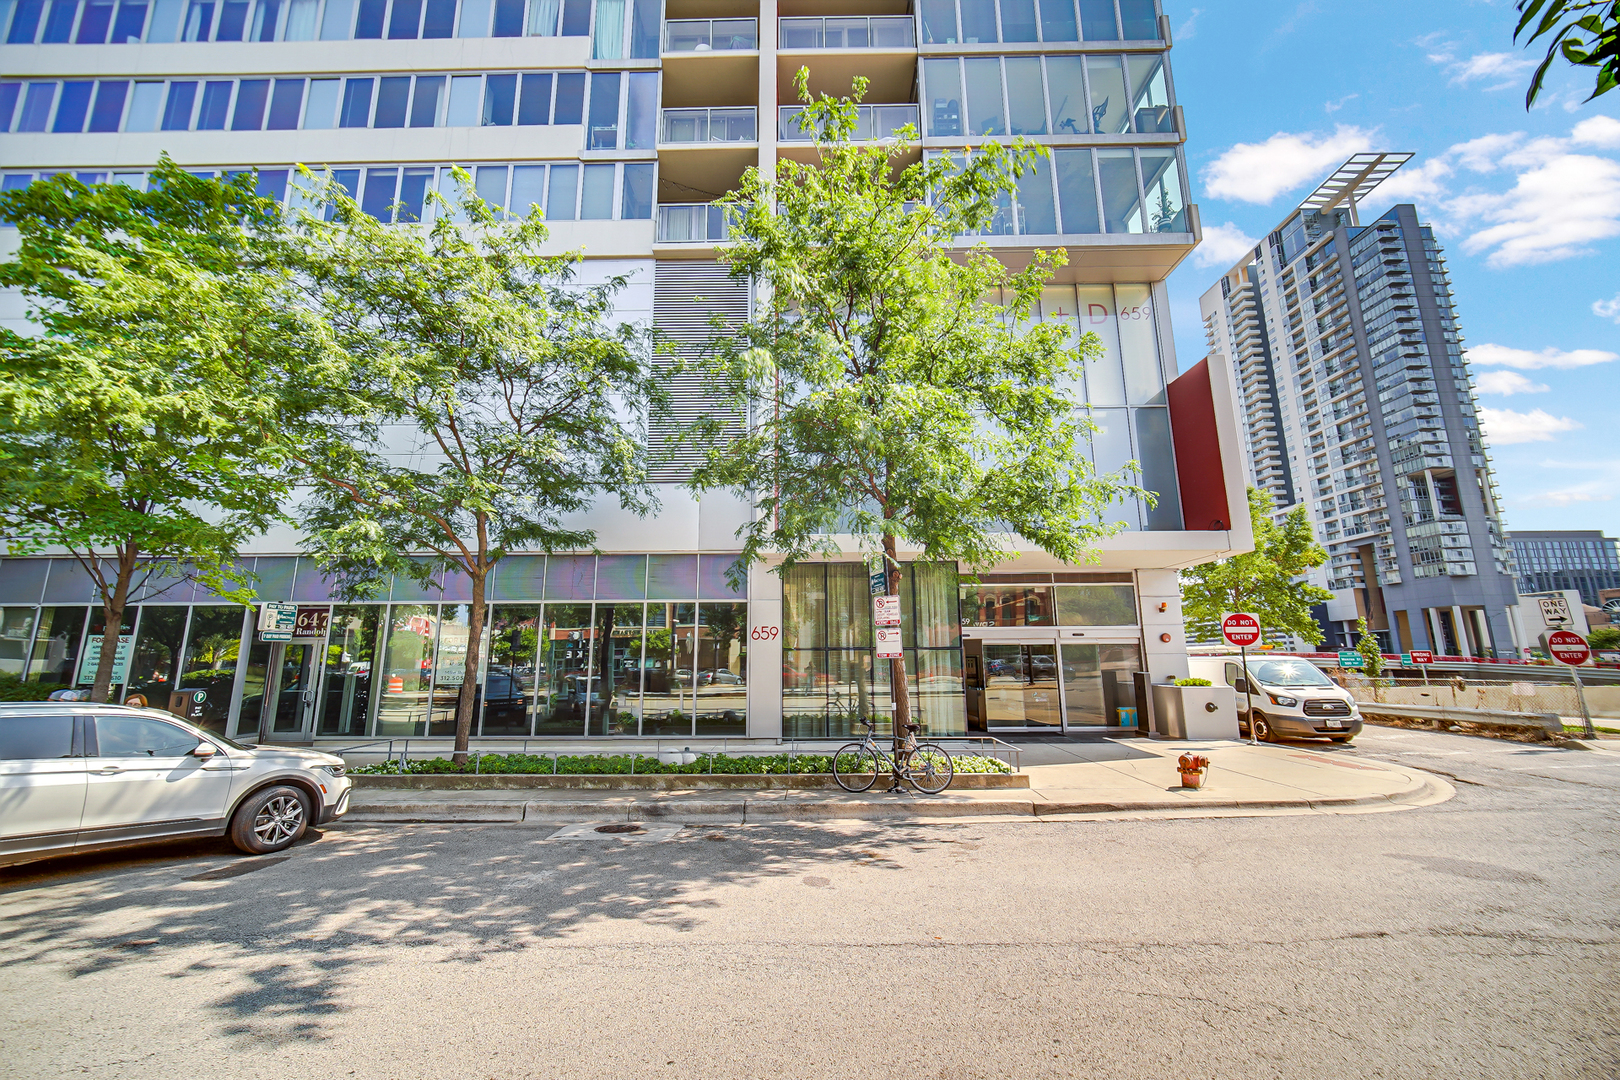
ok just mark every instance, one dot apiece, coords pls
pixel 510 675
pixel 722 669
pixel 346 679
pixel 985 113
pixel 1105 377
pixel 407 670
pixel 564 673
pixel 157 648
pixel 1058 22
pixel 1096 605
pixel 1121 199
pixel 1026 96
pixel 942 83
pixel 667 672
pixel 450 668
pixel 209 668
pixel 1110 105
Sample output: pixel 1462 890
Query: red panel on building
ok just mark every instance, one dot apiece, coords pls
pixel 1198 451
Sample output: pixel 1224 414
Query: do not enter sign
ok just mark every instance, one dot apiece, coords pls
pixel 1568 647
pixel 1240 629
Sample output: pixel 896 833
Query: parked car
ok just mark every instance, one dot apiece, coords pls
pixel 719 677
pixel 1291 697
pixel 77 777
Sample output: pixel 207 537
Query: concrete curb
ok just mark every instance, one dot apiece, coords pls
pixel 652 782
pixel 1425 790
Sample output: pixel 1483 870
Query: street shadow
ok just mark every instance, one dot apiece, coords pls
pixel 287 936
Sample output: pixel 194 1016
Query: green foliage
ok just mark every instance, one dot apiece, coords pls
pixel 1582 31
pixel 1261 582
pixel 620 765
pixel 1194 682
pixel 1606 638
pixel 1372 655
pixel 13 688
pixel 511 379
pixel 136 426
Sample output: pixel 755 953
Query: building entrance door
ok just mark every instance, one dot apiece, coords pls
pixel 1021 689
pixel 288 713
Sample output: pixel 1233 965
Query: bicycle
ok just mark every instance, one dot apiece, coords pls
pixel 857 765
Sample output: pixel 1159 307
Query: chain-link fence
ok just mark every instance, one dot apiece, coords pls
pixel 1458 693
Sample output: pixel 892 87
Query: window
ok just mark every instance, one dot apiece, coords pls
pixel 637 202
pixel 1110 111
pixel 356 103
pixel 1057 21
pixel 604 126
pixel 36 738
pixel 177 110
pixel 425 103
pixel 983 79
pixel 1162 180
pixel 534 101
pixel 319 114
pixel 1121 198
pixel 562 195
pixel 73 106
pixel 500 94
pixel 285 103
pixel 942 80
pixel 1025 96
pixel 641 112
pixel 1097 20
pixel 377 197
pixel 138 736
pixel 251 97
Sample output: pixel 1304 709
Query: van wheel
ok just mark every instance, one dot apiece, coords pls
pixel 270 820
pixel 1262 729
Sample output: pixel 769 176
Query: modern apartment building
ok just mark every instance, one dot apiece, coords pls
pixel 1341 339
pixel 1583 560
pixel 624 120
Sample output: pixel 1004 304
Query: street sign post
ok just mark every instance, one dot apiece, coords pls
pixel 888 642
pixel 1242 629
pixel 1555 611
pixel 1423 658
pixel 1568 647
pixel 1351 658
pixel 885 611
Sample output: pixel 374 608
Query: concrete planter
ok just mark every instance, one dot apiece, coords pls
pixel 1195 712
pixel 655 782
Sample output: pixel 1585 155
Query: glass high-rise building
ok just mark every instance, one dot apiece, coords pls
pixel 1341 339
pixel 1583 560
pixel 624 120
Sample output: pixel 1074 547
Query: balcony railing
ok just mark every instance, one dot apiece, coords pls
pixel 710 35
pixel 691 223
pixel 848 32
pixel 874 122
pixel 687 126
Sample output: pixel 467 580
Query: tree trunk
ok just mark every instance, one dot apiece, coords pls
pixel 112 611
pixel 469 675
pixel 897 666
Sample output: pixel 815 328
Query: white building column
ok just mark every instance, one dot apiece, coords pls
pixel 764 653
pixel 1460 627
pixel 1162 658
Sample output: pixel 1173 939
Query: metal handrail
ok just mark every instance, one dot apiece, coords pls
pixel 847 32
pixel 710 35
pixel 726 124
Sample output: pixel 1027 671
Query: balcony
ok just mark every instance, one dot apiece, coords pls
pixel 848 32
pixel 874 122
pixel 691 223
pixel 688 127
pixel 837 48
pixel 710 35
pixel 710 62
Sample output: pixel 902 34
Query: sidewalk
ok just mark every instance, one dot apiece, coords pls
pixel 1066 779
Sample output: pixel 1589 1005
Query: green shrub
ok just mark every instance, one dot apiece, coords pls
pixel 1193 682
pixel 619 765
pixel 13 688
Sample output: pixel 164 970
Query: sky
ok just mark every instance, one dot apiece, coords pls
pixel 1278 93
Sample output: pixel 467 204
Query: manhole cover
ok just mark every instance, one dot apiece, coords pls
pixel 623 828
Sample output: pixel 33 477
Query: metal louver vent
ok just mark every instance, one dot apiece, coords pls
pixel 686 298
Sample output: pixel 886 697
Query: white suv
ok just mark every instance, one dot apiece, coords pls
pixel 76 776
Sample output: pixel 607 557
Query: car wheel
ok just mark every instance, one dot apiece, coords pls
pixel 1262 729
pixel 1341 739
pixel 270 820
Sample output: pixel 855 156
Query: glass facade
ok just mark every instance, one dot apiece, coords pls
pixel 830 676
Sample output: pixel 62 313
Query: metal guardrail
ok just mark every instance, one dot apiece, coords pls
pixel 979 745
pixel 847 32
pixel 710 35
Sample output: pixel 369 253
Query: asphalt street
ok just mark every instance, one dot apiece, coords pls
pixel 1474 938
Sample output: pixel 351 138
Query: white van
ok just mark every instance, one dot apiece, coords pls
pixel 1292 698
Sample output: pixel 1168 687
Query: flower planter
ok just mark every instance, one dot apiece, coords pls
pixel 1199 713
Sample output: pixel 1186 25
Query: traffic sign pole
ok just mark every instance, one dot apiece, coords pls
pixel 1580 692
pixel 1242 629
pixel 1570 648
pixel 1248 694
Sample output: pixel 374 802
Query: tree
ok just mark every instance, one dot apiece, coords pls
pixel 1606 638
pixel 1372 653
pixel 1582 30
pixel 517 401
pixel 1261 582
pixel 893 396
pixel 133 427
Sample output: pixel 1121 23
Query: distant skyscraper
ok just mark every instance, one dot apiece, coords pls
pixel 1586 561
pixel 1342 342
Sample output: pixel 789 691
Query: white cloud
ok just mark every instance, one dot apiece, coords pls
pixel 1425 181
pixel 1504 427
pixel 1607 309
pixel 1525 360
pixel 1600 131
pixel 1259 172
pixel 1508 382
pixel 1484 67
pixel 1187 30
pixel 1335 106
pixel 1223 245
pixel 1554 211
pixel 1602 488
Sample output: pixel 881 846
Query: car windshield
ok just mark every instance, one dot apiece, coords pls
pixel 1289 673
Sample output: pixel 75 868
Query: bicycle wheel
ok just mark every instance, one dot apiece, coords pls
pixel 855 767
pixel 930 769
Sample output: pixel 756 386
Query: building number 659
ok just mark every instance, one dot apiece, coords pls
pixel 765 633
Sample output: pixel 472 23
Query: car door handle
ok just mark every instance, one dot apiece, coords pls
pixel 108 770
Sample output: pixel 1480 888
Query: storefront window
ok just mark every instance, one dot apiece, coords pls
pixel 351 654
pixel 90 655
pixel 16 631
pixel 56 645
pixel 993 604
pixel 722 671
pixel 615 700
pixel 157 648
pixel 1096 605
pixel 668 696
pixel 450 668
pixel 564 669
pixel 212 649
pixel 407 670
pixel 510 677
